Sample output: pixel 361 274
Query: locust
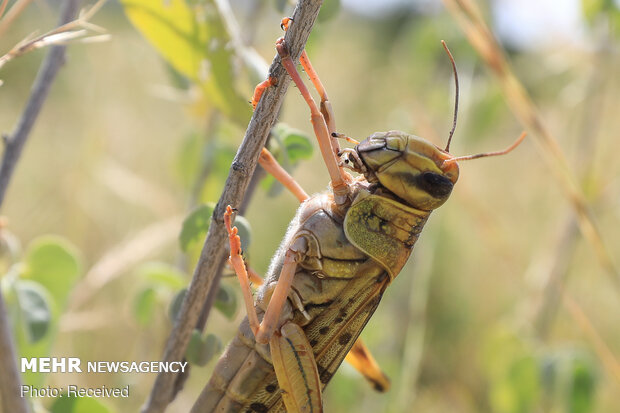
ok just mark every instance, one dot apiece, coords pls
pixel 341 251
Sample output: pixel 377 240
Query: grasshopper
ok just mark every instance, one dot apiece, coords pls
pixel 341 251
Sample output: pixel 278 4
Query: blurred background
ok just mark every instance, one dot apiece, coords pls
pixel 503 307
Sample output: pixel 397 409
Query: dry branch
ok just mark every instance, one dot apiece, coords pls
pixel 212 257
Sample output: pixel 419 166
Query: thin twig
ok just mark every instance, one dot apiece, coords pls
pixel 14 143
pixel 79 28
pixel 249 56
pixel 241 171
pixel 16 9
pixel 10 380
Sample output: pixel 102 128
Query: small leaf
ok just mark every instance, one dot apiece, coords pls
pixel 195 227
pixel 53 262
pixel 201 350
pixel 175 304
pixel 73 404
pixel 34 309
pixel 144 305
pixel 581 395
pixel 226 301
pixel 245 231
pixel 297 145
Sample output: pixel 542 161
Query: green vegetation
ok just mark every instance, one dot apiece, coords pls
pixel 504 307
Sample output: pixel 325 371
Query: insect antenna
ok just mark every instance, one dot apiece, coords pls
pixel 456 98
pixel 487 154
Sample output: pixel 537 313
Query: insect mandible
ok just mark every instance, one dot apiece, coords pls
pixel 341 251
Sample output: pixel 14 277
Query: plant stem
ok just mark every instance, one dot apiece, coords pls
pixel 212 257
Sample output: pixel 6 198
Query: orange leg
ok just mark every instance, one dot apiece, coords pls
pixel 264 330
pixel 254 277
pixel 326 106
pixel 359 357
pixel 260 89
pixel 236 261
pixel 269 164
pixel 338 177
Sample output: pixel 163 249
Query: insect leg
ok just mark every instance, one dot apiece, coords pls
pixel 338 177
pixel 236 261
pixel 326 106
pixel 260 89
pixel 269 164
pixel 280 293
pixel 360 357
pixel 296 370
pixel 254 277
pixel 264 330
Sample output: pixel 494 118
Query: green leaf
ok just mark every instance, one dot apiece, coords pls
pixel 73 404
pixel 201 350
pixel 34 309
pixel 53 262
pixel 513 372
pixel 297 146
pixel 195 42
pixel 226 301
pixel 195 227
pixel 581 398
pixel 175 304
pixel 570 380
pixel 144 305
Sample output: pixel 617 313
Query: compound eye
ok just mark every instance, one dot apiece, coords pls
pixel 436 185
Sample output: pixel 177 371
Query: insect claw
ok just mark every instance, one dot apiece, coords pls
pixel 285 23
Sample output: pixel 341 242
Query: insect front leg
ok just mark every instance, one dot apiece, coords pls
pixel 326 106
pixel 338 177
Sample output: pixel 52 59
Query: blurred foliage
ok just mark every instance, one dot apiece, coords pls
pixel 168 104
pixel 73 404
pixel 37 286
pixel 193 40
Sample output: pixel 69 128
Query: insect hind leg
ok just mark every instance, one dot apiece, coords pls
pixel 362 360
